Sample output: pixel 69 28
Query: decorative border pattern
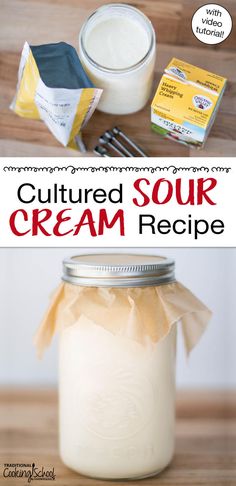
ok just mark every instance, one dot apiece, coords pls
pixel 119 169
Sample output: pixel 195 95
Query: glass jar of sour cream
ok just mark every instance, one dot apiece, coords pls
pixel 116 386
pixel 117 316
pixel 117 47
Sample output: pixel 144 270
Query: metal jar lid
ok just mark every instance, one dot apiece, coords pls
pixel 118 270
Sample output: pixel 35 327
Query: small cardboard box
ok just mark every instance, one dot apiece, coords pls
pixel 186 102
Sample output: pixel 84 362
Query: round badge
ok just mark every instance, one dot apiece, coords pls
pixel 212 24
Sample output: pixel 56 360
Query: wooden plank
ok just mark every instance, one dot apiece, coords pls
pixel 62 21
pixel 215 147
pixel 171 19
pixel 15 148
pixel 28 429
pixel 185 33
pixel 55 21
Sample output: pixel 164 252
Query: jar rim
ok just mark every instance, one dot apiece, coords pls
pixel 107 270
pixel 119 70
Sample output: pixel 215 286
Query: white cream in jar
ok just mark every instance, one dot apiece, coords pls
pixel 116 386
pixel 117 48
pixel 117 403
pixel 117 316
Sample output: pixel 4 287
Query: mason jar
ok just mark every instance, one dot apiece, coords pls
pixel 117 47
pixel 116 383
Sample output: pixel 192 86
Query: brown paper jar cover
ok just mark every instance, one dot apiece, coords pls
pixel 143 314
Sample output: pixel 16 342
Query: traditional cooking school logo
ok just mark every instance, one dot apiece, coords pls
pixel 202 102
pixel 29 471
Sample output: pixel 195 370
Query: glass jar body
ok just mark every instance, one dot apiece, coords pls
pixel 117 402
pixel 126 93
pixel 127 90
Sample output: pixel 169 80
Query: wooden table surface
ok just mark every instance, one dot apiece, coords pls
pixel 205 439
pixel 45 21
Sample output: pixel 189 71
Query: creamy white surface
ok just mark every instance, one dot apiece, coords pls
pixel 116 402
pixel 117 43
pixel 120 41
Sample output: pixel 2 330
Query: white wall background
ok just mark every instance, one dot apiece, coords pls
pixel 28 276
